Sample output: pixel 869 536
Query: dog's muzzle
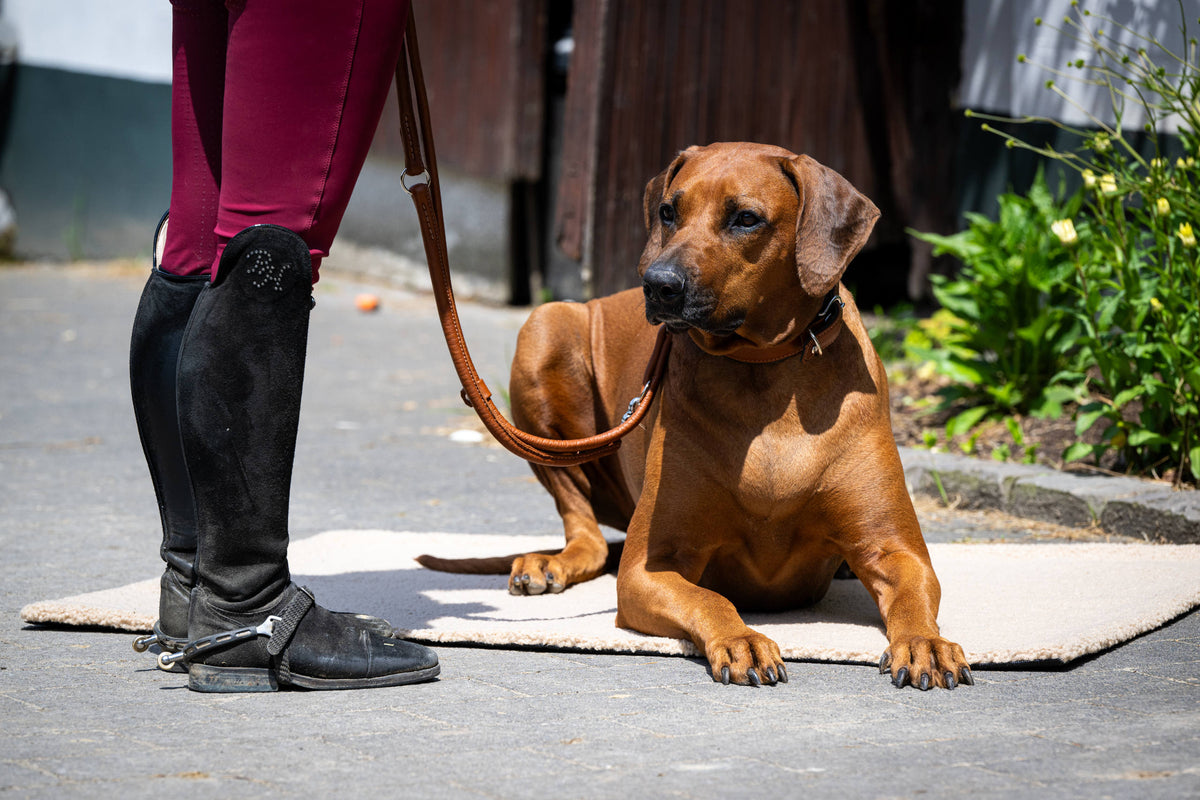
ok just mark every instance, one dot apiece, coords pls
pixel 677 301
pixel 665 287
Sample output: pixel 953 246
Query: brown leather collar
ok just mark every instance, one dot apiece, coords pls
pixel 808 344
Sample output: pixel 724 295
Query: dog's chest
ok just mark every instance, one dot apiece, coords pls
pixel 782 463
pixel 771 461
pixel 764 436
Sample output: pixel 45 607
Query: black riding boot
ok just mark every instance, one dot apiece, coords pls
pixel 162 314
pixel 241 369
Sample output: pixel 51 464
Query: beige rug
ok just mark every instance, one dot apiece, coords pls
pixel 1004 603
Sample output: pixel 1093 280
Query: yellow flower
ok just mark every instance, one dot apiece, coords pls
pixel 1184 164
pixel 1064 229
pixel 1186 236
pixel 1101 143
pixel 1156 164
pixel 1156 304
pixel 1162 206
pixel 1108 184
pixel 1089 178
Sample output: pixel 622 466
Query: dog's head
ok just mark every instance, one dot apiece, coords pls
pixel 744 240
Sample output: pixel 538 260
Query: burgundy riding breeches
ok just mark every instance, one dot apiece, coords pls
pixel 274 105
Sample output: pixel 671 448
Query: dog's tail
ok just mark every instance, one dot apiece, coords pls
pixel 501 565
pixel 495 565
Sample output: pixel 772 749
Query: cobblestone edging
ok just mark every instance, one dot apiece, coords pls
pixel 1119 505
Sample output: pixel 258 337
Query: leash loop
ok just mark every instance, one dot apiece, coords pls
pixel 421 166
pixel 419 179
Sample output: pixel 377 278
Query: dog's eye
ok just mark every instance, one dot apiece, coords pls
pixel 746 219
pixel 667 214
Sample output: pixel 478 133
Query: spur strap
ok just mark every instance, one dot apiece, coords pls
pixel 421 169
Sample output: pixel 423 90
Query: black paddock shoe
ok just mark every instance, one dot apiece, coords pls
pixel 293 643
pixel 170 629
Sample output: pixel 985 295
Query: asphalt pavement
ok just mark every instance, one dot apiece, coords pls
pixel 83 715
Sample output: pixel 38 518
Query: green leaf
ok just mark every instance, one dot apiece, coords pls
pixel 1078 451
pixel 961 423
pixel 1088 415
pixel 960 370
pixel 1014 430
pixel 1048 404
pixel 1125 396
pixel 1143 437
pixel 1192 376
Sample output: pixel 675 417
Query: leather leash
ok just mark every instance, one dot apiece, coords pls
pixel 421 167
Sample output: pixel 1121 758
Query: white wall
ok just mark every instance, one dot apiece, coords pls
pixel 117 38
pixel 997 31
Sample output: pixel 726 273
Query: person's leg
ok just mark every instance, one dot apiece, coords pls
pixel 200 30
pixel 163 311
pixel 306 84
pixel 178 272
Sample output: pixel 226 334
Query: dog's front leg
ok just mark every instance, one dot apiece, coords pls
pixel 657 594
pixel 893 563
pixel 908 599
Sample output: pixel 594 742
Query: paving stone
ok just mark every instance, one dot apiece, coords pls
pixel 82 715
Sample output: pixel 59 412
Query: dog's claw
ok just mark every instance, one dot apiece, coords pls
pixel 771 676
pixel 725 675
pixel 925 663
pixel 752 676
pixel 783 678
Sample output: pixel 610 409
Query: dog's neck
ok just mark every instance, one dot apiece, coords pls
pixel 808 343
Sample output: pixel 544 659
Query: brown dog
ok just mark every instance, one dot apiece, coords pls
pixel 768 459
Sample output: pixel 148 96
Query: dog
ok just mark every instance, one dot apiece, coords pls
pixel 767 461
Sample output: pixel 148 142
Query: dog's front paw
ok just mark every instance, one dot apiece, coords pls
pixel 925 663
pixel 537 574
pixel 749 659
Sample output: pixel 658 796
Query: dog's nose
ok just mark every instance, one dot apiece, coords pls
pixel 664 285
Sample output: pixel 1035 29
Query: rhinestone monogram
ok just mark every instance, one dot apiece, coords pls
pixel 265 272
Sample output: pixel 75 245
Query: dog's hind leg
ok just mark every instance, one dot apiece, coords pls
pixel 553 395
pixel 586 555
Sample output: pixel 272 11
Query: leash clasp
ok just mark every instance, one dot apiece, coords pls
pixel 635 402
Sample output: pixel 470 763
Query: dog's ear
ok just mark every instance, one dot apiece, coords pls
pixel 651 200
pixel 834 222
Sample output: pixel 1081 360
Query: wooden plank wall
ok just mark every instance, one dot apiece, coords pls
pixel 484 65
pixel 861 85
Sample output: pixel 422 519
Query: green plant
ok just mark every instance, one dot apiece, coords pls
pixel 889 331
pixel 1020 450
pixel 1129 238
pixel 1006 333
